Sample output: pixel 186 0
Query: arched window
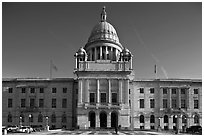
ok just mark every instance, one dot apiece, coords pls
pixel 22 118
pixel 152 119
pixel 166 119
pixel 196 119
pixel 184 119
pixel 64 118
pixel 40 118
pixel 53 118
pixel 9 118
pixel 141 119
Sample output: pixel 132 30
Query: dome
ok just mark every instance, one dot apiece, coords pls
pixel 126 52
pixel 81 52
pixel 103 31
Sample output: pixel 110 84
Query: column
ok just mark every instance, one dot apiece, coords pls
pixel 111 53
pixel 171 122
pixel 95 54
pixel 100 52
pixel 127 91
pixel 120 90
pixel 91 54
pixel 97 120
pixel 179 98
pixel 109 91
pixel 169 98
pixel 86 95
pixel 188 98
pixel 76 62
pixel 109 119
pixel 98 92
pixel 131 62
pixel 106 51
pixel 179 123
pixel 160 98
pixel 80 91
pixel 199 100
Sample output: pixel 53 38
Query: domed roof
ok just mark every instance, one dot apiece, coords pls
pixel 104 31
pixel 81 52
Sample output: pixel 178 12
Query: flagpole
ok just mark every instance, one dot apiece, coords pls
pixel 50 69
pixel 155 71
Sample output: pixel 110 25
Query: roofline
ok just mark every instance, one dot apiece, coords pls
pixel 37 79
pixel 169 80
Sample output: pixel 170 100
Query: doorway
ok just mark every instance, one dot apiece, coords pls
pixel 114 119
pixel 92 119
pixel 103 120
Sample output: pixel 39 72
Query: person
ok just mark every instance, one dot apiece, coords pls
pixel 116 129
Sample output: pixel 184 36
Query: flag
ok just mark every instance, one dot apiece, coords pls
pixel 155 68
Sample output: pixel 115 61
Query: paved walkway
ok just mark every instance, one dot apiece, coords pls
pixel 93 132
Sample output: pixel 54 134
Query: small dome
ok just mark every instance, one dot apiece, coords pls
pixel 126 52
pixel 81 52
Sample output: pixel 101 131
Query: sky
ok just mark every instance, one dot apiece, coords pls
pixel 166 34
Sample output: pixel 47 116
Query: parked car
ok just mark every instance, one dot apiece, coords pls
pixel 194 129
pixel 12 128
pixel 25 129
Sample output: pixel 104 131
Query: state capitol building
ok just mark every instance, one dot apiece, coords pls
pixel 105 93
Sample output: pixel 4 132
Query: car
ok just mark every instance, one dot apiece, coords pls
pixel 194 129
pixel 12 128
pixel 25 129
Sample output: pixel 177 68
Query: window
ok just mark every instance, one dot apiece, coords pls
pixel 41 90
pixel 173 103
pixel 64 118
pixel 183 103
pixel 54 90
pixel 9 118
pixel 64 103
pixel 32 102
pixel 103 97
pixel 196 106
pixel 10 90
pixel 151 103
pixel 141 103
pixel 166 120
pixel 141 119
pixel 164 90
pixel 92 98
pixel 32 90
pixel 40 118
pixel 196 119
pixel 23 102
pixel 64 90
pixel 152 119
pixel 54 101
pixel 152 90
pixel 173 90
pixel 141 90
pixel 23 90
pixel 10 103
pixel 53 118
pixel 195 91
pixel 41 103
pixel 114 97
pixel 183 91
pixel 164 103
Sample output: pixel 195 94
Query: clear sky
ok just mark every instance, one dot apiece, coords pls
pixel 166 34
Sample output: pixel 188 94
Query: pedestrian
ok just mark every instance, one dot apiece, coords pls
pixel 116 129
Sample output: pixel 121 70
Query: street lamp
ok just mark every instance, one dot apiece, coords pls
pixel 159 128
pixel 176 116
pixel 20 122
pixel 47 126
pixel 29 118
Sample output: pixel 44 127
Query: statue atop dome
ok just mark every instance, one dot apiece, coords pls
pixel 103 14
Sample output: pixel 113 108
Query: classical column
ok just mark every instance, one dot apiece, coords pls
pixel 126 91
pixel 109 91
pixel 76 62
pixel 169 98
pixel 109 119
pixel 95 53
pixel 97 120
pixel 80 91
pixel 120 90
pixel 86 95
pixel 187 98
pixel 106 51
pixel 131 62
pixel 98 93
pixel 100 52
pixel 179 98
pixel 111 53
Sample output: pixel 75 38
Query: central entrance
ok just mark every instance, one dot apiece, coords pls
pixel 92 119
pixel 103 120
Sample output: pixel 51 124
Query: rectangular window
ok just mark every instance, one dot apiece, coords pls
pixel 92 98
pixel 23 102
pixel 183 103
pixel 183 91
pixel 152 90
pixel 54 90
pixel 23 90
pixel 10 90
pixel 32 102
pixel 196 105
pixel 54 103
pixel 114 97
pixel 103 97
pixel 32 90
pixel 141 103
pixel 141 90
pixel 195 91
pixel 10 103
pixel 41 103
pixel 164 103
pixel 64 90
pixel 41 90
pixel 164 90
pixel 173 103
pixel 173 90
pixel 64 103
pixel 151 103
